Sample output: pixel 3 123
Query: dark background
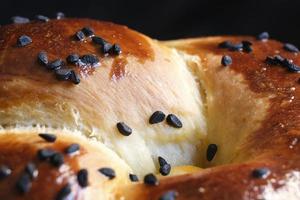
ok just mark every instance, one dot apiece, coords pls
pixel 170 19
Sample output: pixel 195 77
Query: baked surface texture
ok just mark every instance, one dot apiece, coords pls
pixel 248 109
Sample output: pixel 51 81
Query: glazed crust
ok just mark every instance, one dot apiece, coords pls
pixel 249 109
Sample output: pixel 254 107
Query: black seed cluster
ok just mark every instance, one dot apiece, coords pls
pixel 264 36
pixel 150 179
pixel 174 121
pixel 5 171
pixel 133 178
pixel 283 62
pixel 211 151
pixel 260 172
pixel 84 33
pixel 42 18
pixel 64 192
pixel 57 65
pixel 23 41
pixel 82 178
pixel 157 117
pixel 55 158
pixel 170 195
pixel 164 167
pixel 226 60
pixel 124 129
pixel 72 148
pixel 106 47
pixel 20 20
pixel 108 172
pixel 243 46
pixel 291 48
pixel 48 137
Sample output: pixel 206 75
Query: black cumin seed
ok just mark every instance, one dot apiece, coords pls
pixel 48 137
pixel 64 192
pixel 226 60
pixel 20 20
pixel 124 129
pixel 290 65
pixel 161 161
pixel 133 178
pixel 31 170
pixel 72 148
pixel 42 18
pixel 247 49
pixel 74 77
pixel 4 171
pixel 63 74
pixel 170 195
pixel 88 32
pixel 79 35
pixel 116 49
pixel 236 47
pixel 246 43
pixel 55 65
pixel 165 167
pixel 43 58
pixel 60 15
pixel 82 177
pixel 23 41
pixel 261 172
pixel 73 58
pixel 89 59
pixel 108 172
pixel 44 154
pixel 291 48
pixel 247 46
pixel 225 44
pixel 150 179
pixel 24 183
pixel 57 159
pixel 276 60
pixel 98 40
pixel 211 151
pixel 271 61
pixel 106 47
pixel 174 121
pixel 264 36
pixel 156 117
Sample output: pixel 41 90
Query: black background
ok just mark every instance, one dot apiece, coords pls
pixel 172 19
